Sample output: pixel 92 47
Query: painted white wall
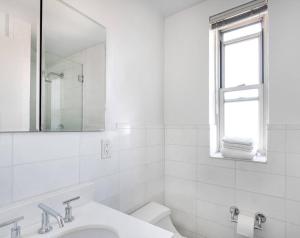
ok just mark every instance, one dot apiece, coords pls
pixel 186 62
pixel 284 58
pixel 186 65
pixel 134 175
pixel 199 189
pixel 135 50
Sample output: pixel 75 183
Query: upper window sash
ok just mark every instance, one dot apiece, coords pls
pixel 223 44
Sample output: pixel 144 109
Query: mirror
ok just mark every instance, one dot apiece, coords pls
pixel 73 70
pixel 19 41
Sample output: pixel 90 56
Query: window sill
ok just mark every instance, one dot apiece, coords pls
pixel 257 159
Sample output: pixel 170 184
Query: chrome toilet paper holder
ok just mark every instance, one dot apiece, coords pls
pixel 260 218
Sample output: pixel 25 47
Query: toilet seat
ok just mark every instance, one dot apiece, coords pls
pixel 158 215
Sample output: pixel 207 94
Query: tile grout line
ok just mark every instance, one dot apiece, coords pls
pixel 285 180
pixel 12 171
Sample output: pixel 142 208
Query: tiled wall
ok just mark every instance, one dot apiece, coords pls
pixel 35 163
pixel 200 190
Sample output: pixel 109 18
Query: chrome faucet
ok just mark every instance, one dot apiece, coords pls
pixel 46 212
pixel 16 229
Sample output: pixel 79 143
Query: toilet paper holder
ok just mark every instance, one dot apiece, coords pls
pixel 260 218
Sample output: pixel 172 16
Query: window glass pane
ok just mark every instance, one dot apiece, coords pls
pixel 245 31
pixel 241 119
pixel 242 63
pixel 251 93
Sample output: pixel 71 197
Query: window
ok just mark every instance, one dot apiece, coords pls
pixel 241 83
pixel 239 75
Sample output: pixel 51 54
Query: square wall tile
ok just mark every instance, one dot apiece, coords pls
pixel 184 136
pixel 6 186
pixel 132 157
pixel 155 136
pixel 90 143
pixel 132 138
pixel 155 154
pixel 293 188
pixel 180 170
pixel 215 175
pixel 216 194
pixel 133 177
pixel 180 194
pixel 213 212
pixel 107 187
pixel 292 231
pixel 154 171
pixel 203 136
pixel 6 150
pixel 276 140
pixel 155 190
pixel 292 212
pixel 36 147
pixel 293 141
pixel 268 184
pixel 93 167
pixel 180 186
pixel 293 165
pixel 37 178
pixel 186 154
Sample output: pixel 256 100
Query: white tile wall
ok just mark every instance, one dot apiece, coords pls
pixel 45 146
pixel 38 178
pixel 215 185
pixel 36 163
pixel 5 185
pixel 5 150
pixel 197 188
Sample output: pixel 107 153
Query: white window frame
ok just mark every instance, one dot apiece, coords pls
pixel 261 86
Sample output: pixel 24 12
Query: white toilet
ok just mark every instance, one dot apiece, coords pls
pixel 157 215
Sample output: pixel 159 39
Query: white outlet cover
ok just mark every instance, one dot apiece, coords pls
pixel 106 147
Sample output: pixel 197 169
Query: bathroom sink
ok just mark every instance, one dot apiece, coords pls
pixel 90 232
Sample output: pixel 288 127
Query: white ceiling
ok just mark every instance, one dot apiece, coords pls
pixel 169 7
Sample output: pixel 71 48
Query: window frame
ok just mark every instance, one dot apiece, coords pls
pixel 220 78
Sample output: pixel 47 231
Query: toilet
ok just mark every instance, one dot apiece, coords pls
pixel 157 215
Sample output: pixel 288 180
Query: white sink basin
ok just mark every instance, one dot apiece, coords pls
pixel 90 232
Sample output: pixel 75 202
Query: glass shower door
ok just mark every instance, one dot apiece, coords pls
pixel 63 88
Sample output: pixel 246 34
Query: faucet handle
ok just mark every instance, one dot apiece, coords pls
pixel 68 209
pixel 16 229
pixel 67 202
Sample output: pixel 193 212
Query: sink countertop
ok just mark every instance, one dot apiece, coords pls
pixel 97 215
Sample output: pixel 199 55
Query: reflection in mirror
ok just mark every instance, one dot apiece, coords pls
pixel 19 39
pixel 73 79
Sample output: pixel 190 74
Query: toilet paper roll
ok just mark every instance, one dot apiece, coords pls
pixel 245 226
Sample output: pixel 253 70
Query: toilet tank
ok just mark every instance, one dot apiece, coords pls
pixel 152 213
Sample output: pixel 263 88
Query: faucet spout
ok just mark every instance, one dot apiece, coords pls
pixel 60 221
pixel 48 211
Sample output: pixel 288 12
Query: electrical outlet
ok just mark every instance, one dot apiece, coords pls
pixel 106 149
